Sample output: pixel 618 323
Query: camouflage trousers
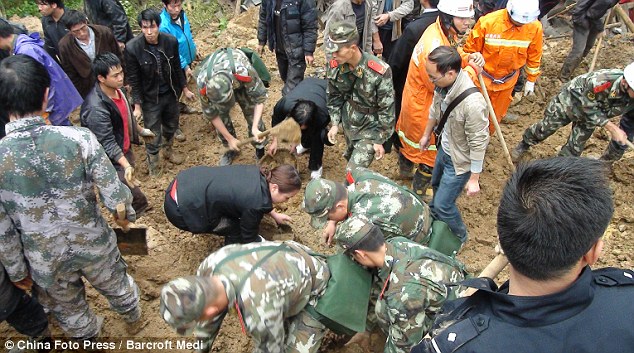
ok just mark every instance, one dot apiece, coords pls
pixel 66 298
pixel 555 117
pixel 359 153
pixel 305 334
pixel 246 105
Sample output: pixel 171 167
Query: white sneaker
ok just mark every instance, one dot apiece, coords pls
pixel 300 149
pixel 316 173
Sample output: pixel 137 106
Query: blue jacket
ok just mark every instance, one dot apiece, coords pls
pixel 63 97
pixel 186 45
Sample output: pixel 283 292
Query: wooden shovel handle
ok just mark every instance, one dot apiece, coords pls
pixel 491 271
pixel 121 214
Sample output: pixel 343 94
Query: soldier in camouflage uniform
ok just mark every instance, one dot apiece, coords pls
pixel 393 208
pixel 587 101
pixel 615 150
pixel 51 227
pixel 268 284
pixel 360 96
pixel 222 80
pixel 410 285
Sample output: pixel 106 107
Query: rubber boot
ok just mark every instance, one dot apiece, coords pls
pixel 169 154
pixel 421 180
pixel 154 165
pixel 405 168
pixel 227 158
pixel 519 150
pixel 612 153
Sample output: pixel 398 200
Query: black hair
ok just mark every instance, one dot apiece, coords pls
pixel 446 59
pixel 167 2
pixel 74 17
pixel 551 213
pixel 372 241
pixel 149 15
pixel 304 112
pixel 59 3
pixel 285 176
pixel 6 29
pixel 434 3
pixel 23 84
pixel 103 63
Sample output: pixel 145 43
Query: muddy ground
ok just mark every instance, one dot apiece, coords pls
pixel 176 253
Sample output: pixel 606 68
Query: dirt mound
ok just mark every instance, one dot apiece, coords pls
pixel 176 253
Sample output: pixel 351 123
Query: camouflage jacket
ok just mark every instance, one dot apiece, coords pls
pixel 362 98
pixel 597 96
pixel 245 78
pixel 50 221
pixel 412 286
pixel 391 207
pixel 279 288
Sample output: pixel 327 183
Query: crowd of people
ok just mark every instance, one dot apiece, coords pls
pixel 430 99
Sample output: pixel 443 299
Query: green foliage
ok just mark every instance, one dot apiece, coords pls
pixel 202 14
pixel 24 8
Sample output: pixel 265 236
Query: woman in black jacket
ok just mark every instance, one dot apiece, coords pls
pixel 230 200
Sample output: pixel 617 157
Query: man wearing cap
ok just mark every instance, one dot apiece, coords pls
pixel 224 77
pixel 411 282
pixel 360 96
pixel 268 284
pixel 393 208
pixel 588 101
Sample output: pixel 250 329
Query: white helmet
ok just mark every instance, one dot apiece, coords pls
pixel 523 11
pixel 457 8
pixel 628 73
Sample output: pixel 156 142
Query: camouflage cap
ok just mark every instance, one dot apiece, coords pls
pixel 341 33
pixel 219 87
pixel 319 198
pixel 351 231
pixel 182 303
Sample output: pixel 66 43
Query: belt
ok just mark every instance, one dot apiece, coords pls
pixel 173 192
pixel 360 109
pixel 499 81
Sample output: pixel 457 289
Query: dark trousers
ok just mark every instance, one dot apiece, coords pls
pixel 227 227
pixel 162 119
pixel 139 201
pixel 583 38
pixel 20 310
pixel 386 39
pixel 291 71
pixel 312 139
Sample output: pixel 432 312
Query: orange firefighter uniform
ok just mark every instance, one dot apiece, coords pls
pixel 418 94
pixel 505 48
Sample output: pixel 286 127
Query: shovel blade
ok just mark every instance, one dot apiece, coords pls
pixel 132 242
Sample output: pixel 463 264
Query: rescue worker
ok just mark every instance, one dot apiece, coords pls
pixel 551 218
pixel 360 97
pixel 362 12
pixel 410 286
pixel 509 39
pixel 395 209
pixel 266 301
pixel 587 22
pixel 453 21
pixel 615 150
pixel 588 101
pixel 224 78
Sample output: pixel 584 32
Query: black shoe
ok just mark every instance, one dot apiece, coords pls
pixel 519 150
pixel 227 158
pixel 259 153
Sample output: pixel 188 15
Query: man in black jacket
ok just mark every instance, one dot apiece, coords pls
pixel 306 103
pixel 154 71
pixel 587 25
pixel 106 112
pixel 110 13
pixel 53 24
pixel 290 28
pixel 403 49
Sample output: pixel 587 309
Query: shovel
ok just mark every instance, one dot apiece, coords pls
pixel 287 131
pixel 131 240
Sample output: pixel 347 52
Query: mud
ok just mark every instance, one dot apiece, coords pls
pixel 175 253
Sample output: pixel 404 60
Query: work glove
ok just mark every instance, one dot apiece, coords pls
pixel 148 135
pixel 129 177
pixel 529 88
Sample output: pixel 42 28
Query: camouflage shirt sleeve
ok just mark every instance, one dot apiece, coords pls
pixel 111 190
pixel 11 250
pixel 590 105
pixel 336 98
pixel 385 100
